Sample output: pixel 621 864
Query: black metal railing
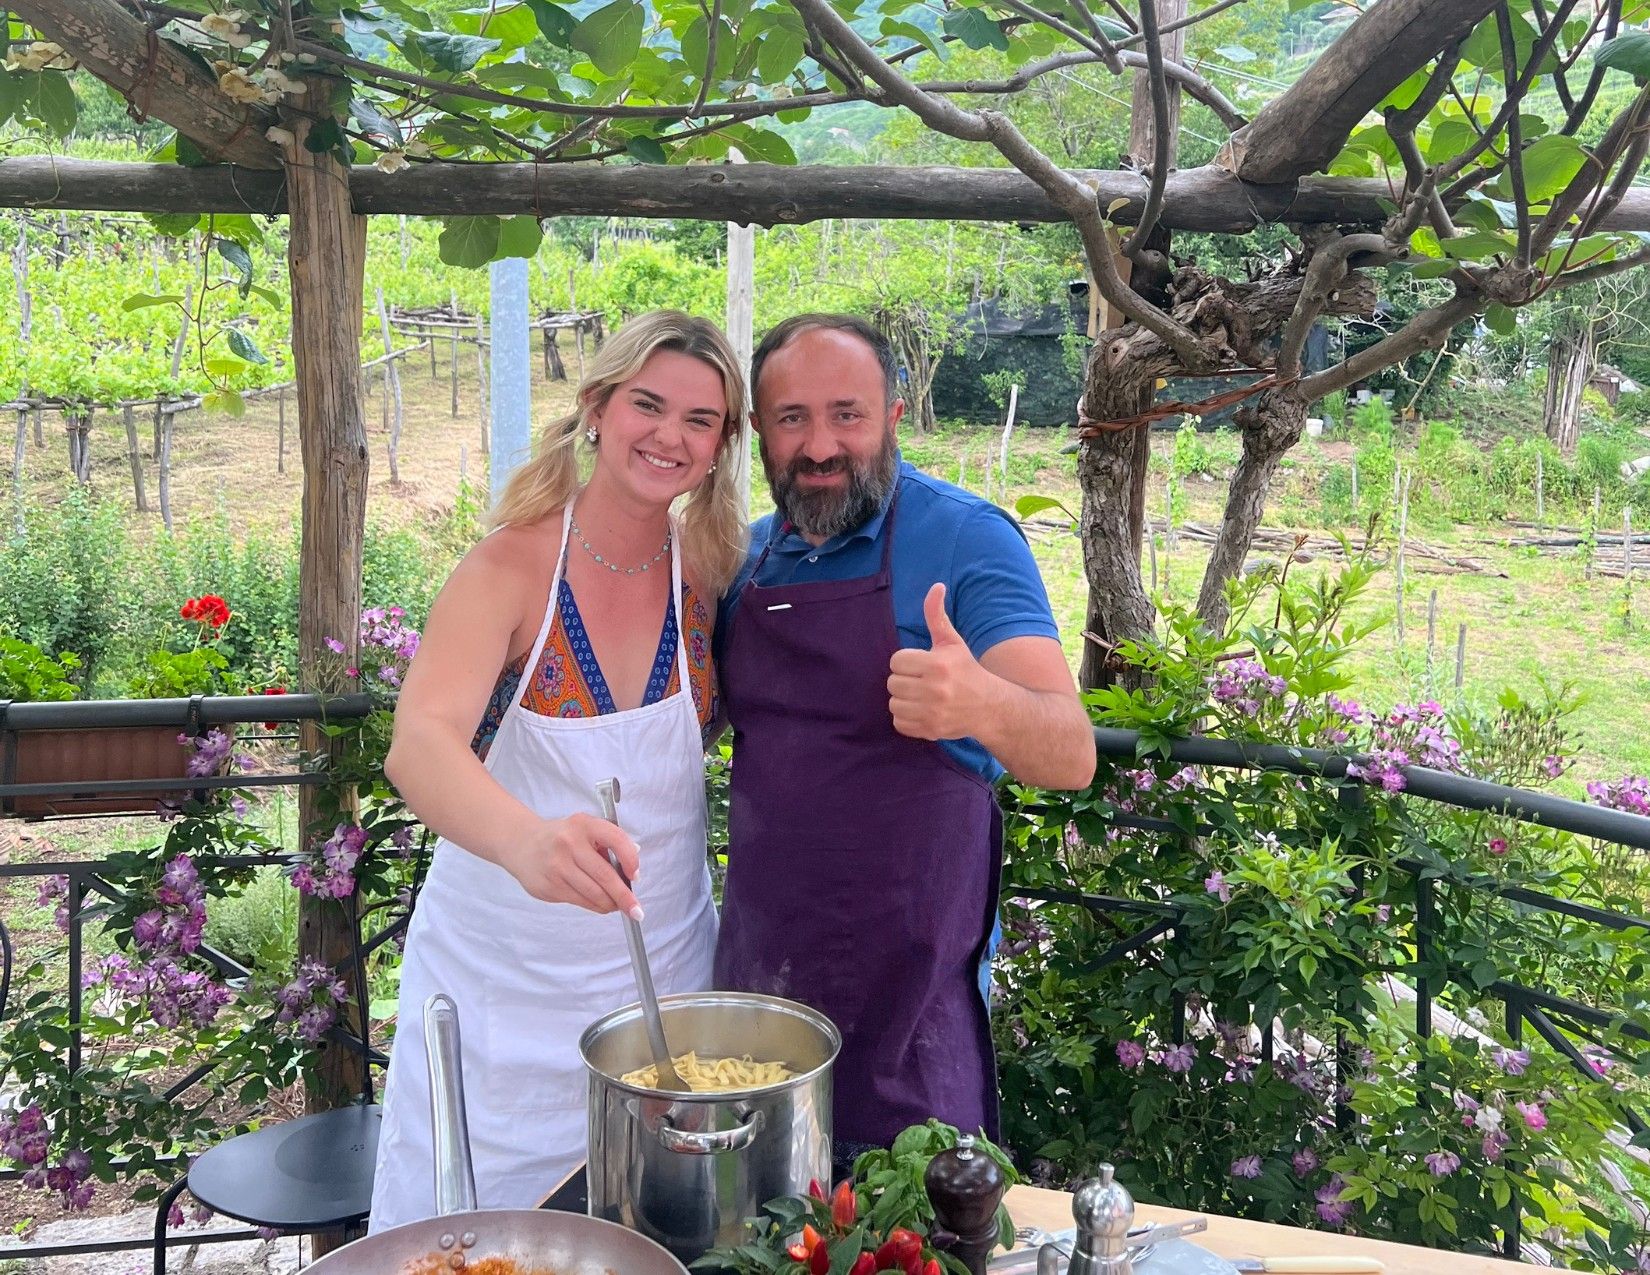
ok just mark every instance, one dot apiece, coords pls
pixel 1556 1019
pixel 87 879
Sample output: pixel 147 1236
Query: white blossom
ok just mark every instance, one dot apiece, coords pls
pixel 419 148
pixel 278 82
pixel 391 162
pixel 280 136
pixel 238 86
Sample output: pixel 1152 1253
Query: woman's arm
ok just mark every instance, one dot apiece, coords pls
pixel 431 763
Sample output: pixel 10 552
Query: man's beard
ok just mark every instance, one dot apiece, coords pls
pixel 831 511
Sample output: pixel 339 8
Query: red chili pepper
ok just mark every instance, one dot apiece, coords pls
pixel 820 1262
pixel 907 1244
pixel 816 1188
pixel 931 1266
pixel 886 1258
pixel 810 1237
pixel 797 1253
pixel 864 1264
pixel 844 1206
pixel 913 1265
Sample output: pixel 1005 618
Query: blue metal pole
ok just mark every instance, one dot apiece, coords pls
pixel 511 371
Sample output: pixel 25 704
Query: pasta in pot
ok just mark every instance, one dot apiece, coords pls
pixel 713 1075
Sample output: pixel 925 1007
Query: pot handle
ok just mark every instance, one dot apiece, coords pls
pixel 455 1184
pixel 715 1142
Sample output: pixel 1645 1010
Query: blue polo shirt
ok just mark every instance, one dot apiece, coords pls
pixel 942 534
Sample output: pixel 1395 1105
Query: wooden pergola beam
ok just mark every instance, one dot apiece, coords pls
pixel 158 78
pixel 1198 199
pixel 1302 130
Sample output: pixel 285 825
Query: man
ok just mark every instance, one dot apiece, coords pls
pixel 887 653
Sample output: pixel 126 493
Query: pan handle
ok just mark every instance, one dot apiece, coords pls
pixel 455 1183
pixel 713 1142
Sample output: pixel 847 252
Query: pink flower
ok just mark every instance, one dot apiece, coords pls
pixel 1247 1166
pixel 1534 1117
pixel 1511 1061
pixel 1215 883
pixel 1498 846
pixel 1493 1145
pixel 1179 1059
pixel 334 645
pixel 1130 1054
pixel 1443 1163
pixel 1305 1161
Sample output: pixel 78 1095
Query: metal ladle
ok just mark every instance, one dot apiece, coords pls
pixel 607 792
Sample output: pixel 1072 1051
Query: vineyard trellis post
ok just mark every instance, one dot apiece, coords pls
pixel 134 454
pixel 392 383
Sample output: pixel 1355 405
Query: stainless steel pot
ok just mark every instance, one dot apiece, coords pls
pixel 538 1241
pixel 686 1169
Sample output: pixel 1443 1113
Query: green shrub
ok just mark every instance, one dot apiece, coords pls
pixel 259 925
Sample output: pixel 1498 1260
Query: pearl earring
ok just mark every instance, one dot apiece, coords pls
pixel 590 434
pixel 712 468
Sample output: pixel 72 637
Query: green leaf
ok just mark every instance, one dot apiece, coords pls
pixel 1550 164
pixel 173 225
pixel 244 348
pixel 909 31
pixel 555 23
pixel 779 54
pixel 1026 506
pixel 1448 140
pixel 373 122
pixel 1501 319
pixel 143 301
pixel 519 237
pixel 239 259
pixel 47 96
pixel 452 52
pixel 326 134
pixel 1476 246
pixel 1630 52
pixel 768 148
pixel 227 401
pixel 11 95
pixel 269 294
pixel 975 29
pixel 611 36
pixel 470 242
pixel 647 150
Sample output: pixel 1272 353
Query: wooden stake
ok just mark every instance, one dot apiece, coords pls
pixel 1460 657
pixel 1432 629
pixel 1401 480
pixel 454 372
pixel 1540 489
pixel 183 328
pixel 17 458
pixel 39 428
pixel 1008 433
pixel 1151 551
pixel 1354 488
pixel 135 455
pixel 163 479
pixel 392 384
pixel 280 430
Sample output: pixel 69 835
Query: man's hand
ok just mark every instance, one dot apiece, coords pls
pixel 937 693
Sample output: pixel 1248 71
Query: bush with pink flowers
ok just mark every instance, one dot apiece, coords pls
pixel 1255 1054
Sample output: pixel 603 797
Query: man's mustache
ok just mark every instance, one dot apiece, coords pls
pixel 819 468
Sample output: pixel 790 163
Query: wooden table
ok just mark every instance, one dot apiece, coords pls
pixel 1233 1238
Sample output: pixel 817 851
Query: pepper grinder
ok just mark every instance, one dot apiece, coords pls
pixel 1104 1211
pixel 965 1186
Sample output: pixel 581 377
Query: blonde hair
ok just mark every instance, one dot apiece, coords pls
pixel 712 519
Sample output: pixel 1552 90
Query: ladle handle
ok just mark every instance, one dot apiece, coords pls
pixel 607 792
pixel 455 1183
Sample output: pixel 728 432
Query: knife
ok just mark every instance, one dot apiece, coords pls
pixel 1312 1265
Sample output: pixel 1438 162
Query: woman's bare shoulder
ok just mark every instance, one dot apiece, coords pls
pixel 517 552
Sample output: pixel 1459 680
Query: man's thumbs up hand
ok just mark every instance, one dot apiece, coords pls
pixel 934 694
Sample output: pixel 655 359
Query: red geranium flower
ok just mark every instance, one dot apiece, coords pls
pixel 273 690
pixel 209 609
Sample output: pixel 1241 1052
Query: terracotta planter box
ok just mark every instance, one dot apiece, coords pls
pixel 93 755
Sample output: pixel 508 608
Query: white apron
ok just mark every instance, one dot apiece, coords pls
pixel 529 976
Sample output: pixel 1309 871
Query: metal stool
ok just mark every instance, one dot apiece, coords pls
pixel 307 1175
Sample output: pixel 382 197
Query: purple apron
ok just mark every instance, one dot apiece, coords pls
pixel 863 865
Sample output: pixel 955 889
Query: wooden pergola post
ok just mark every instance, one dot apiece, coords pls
pixel 327 248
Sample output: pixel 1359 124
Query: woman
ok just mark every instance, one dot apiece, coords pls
pixel 578 635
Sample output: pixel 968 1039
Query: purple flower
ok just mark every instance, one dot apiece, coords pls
pixel 1553 765
pixel 1630 793
pixel 1297 1070
pixel 334 645
pixel 1498 846
pixel 1493 1145
pixel 1511 1061
pixel 1305 1161
pixel 1383 912
pixel 1130 1054
pixel 1215 883
pixel 1179 1059
pixel 1443 1163
pixel 1333 1210
pixel 1535 1119
pixel 1247 1166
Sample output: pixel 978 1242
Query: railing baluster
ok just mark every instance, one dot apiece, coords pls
pixel 76 897
pixel 1423 956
